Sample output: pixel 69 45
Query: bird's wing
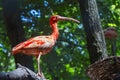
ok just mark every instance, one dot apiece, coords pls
pixel 40 42
pixel 36 42
pixel 22 45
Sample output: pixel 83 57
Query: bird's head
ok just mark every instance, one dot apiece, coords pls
pixel 56 18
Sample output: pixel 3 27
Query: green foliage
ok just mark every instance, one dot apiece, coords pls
pixel 6 59
pixel 110 17
pixel 69 59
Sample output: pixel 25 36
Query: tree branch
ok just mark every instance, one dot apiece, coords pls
pixel 21 73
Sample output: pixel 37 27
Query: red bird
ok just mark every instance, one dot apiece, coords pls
pixel 41 45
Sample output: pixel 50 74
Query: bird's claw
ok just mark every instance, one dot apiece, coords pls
pixel 41 75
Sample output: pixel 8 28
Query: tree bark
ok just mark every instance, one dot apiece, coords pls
pixel 95 39
pixel 15 31
pixel 21 73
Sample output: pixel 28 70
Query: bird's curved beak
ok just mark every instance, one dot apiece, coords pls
pixel 66 18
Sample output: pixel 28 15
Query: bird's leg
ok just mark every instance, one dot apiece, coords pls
pixel 38 61
pixel 39 71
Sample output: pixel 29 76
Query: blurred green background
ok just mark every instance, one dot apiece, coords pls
pixel 69 58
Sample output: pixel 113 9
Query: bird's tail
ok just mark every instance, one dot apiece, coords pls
pixel 17 48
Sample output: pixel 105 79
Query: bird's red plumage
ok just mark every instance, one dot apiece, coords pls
pixel 35 45
pixel 41 45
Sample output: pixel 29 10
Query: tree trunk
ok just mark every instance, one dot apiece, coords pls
pixel 95 39
pixel 15 30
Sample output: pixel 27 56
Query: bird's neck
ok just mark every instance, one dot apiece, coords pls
pixel 55 32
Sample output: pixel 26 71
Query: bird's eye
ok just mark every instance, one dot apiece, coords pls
pixel 56 18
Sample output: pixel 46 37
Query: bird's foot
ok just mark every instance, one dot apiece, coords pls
pixel 41 75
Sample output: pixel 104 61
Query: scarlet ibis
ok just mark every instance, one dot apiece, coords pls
pixel 41 45
pixel 111 34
